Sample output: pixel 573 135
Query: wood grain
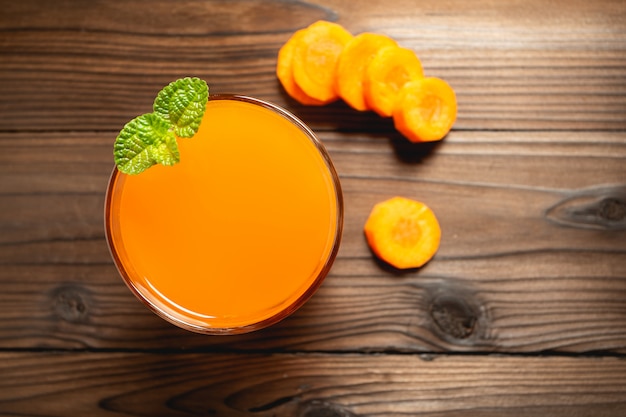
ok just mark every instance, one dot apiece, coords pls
pixel 359 308
pixel 520 313
pixel 96 384
pixel 515 271
pixel 515 65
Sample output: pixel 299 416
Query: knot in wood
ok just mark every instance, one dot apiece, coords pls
pixel 453 316
pixel 612 209
pixel 70 303
pixel 602 208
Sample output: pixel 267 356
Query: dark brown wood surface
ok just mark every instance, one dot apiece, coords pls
pixel 522 312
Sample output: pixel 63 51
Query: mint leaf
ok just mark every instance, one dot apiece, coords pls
pixel 166 153
pixel 144 141
pixel 182 103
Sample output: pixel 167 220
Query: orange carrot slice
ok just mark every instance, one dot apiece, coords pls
pixel 426 109
pixel 386 74
pixel 403 232
pixel 353 61
pixel 315 59
pixel 284 71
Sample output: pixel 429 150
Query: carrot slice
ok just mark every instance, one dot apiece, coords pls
pixel 426 109
pixel 284 71
pixel 315 59
pixel 353 61
pixel 386 74
pixel 403 232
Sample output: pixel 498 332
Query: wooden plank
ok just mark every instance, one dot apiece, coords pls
pixel 493 193
pixel 515 65
pixel 518 269
pixel 560 162
pixel 563 302
pixel 95 384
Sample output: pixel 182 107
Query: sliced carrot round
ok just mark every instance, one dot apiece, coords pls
pixel 315 59
pixel 403 232
pixel 426 109
pixel 284 72
pixel 353 61
pixel 386 74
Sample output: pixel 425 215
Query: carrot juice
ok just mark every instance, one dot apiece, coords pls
pixel 237 235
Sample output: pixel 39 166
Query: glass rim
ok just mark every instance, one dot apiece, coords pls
pixel 283 313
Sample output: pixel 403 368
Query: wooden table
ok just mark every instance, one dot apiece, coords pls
pixel 522 312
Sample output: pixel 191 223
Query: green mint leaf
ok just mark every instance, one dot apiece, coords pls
pixel 166 153
pixel 144 141
pixel 182 103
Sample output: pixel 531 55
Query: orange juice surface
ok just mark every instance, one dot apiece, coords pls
pixel 238 233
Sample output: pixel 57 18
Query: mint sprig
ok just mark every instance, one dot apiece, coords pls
pixel 151 138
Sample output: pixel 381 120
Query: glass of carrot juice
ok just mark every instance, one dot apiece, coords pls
pixel 241 232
